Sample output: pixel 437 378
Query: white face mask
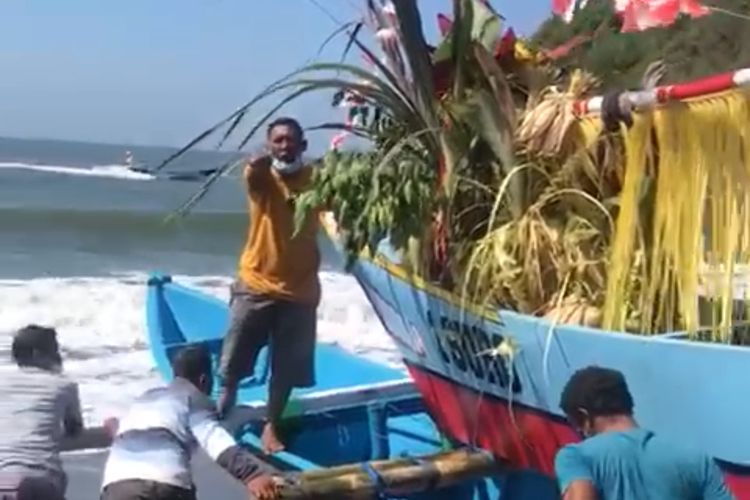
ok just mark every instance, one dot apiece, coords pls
pixel 285 168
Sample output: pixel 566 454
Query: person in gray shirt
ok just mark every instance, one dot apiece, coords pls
pixel 39 407
pixel 157 437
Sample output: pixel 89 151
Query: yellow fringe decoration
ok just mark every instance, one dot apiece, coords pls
pixel 678 185
pixel 679 246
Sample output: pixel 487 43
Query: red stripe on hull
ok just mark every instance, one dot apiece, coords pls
pixel 739 483
pixel 525 437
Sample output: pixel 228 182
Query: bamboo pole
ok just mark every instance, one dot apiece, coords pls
pixel 399 477
pixel 379 465
pixel 649 98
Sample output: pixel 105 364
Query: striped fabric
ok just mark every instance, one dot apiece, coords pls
pixel 156 438
pixel 34 404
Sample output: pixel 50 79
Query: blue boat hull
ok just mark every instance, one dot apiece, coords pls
pixel 509 403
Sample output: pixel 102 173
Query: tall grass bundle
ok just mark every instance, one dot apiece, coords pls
pixel 549 258
pixel 678 184
pixel 561 237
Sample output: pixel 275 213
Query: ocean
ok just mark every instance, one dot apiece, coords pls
pixel 79 234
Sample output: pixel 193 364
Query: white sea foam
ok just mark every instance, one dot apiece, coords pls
pixel 110 171
pixel 101 323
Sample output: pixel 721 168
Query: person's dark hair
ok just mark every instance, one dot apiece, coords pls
pixel 33 340
pixel 602 392
pixel 191 363
pixel 286 121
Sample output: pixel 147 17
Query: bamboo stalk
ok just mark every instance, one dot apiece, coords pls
pixel 399 477
pixel 379 465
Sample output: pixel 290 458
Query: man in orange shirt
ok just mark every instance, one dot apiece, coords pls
pixel 277 291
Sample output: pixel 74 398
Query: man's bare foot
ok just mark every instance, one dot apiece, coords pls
pixel 227 399
pixel 271 442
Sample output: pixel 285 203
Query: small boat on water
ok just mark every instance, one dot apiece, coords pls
pixel 361 431
pixel 198 175
pixel 175 175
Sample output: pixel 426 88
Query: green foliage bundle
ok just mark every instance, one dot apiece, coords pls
pixel 372 199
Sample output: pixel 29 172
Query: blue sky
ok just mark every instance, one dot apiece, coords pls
pixel 156 72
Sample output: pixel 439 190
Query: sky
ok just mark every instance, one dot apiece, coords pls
pixel 158 72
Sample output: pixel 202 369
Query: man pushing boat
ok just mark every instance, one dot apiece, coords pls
pixel 276 294
pixel 618 460
pixel 155 440
pixel 40 414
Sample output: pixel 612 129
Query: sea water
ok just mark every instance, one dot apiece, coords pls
pixel 79 234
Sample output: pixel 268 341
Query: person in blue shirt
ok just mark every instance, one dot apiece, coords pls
pixel 618 460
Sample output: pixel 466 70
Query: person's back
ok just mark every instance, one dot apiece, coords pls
pixel 618 460
pixel 637 463
pixel 33 407
pixel 38 408
pixel 154 442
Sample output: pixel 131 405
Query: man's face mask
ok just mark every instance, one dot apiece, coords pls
pixel 286 168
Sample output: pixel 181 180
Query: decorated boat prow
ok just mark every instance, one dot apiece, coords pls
pixel 507 402
pixel 492 377
pixel 606 230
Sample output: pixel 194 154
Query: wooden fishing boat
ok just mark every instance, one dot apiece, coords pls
pixel 688 390
pixel 492 379
pixel 342 432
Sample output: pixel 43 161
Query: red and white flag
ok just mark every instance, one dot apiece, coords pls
pixel 639 15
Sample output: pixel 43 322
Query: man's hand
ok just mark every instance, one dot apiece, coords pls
pixel 259 161
pixel 580 490
pixel 263 488
pixel 110 426
pixel 256 171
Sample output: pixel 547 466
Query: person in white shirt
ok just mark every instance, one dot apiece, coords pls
pixel 39 411
pixel 153 444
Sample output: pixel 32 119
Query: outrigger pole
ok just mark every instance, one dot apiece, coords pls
pixel 401 476
pixel 645 99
